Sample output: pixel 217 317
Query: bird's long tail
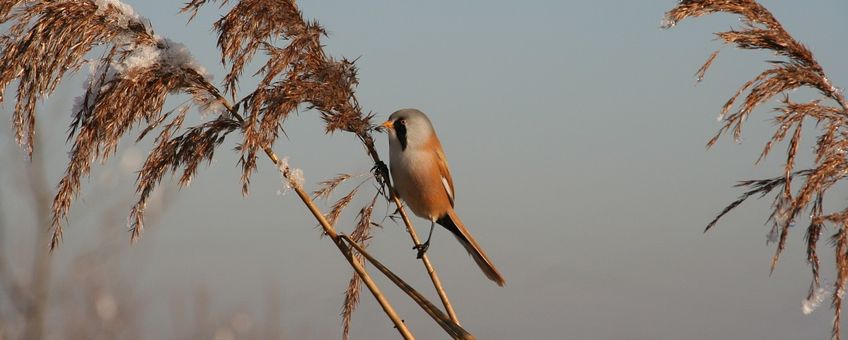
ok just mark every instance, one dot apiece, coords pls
pixel 454 224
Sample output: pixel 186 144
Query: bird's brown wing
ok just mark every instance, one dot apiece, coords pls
pixel 444 171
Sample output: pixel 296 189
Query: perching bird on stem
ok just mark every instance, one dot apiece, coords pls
pixel 422 179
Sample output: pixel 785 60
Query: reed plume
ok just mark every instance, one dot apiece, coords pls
pixel 797 68
pixel 136 71
pixel 361 235
pixel 128 84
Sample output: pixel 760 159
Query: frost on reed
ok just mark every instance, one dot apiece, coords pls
pixel 127 87
pixel 796 68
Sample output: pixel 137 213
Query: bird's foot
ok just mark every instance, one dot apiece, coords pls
pixel 422 248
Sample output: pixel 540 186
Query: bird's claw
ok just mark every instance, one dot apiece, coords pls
pixel 422 248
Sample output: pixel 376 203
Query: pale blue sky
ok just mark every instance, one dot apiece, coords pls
pixel 576 138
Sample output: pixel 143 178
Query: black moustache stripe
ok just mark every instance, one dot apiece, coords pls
pixel 400 130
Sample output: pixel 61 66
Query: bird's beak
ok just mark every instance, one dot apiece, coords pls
pixel 387 124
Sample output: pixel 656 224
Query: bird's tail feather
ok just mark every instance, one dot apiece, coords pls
pixel 454 224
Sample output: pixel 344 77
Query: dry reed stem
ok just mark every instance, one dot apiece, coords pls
pixel 455 330
pixel 431 271
pixel 798 68
pixel 331 232
pixel 360 235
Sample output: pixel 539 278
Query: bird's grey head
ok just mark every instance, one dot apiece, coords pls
pixel 408 127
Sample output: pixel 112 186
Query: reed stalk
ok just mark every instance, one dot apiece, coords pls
pixel 454 329
pixel 431 271
pixel 331 232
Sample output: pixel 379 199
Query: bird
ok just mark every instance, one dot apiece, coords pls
pixel 422 179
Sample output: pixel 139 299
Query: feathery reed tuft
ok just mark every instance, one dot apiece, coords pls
pixel 361 234
pixel 6 6
pixel 185 151
pixel 297 74
pixel 798 68
pixel 136 71
pixel 338 207
pixel 128 84
pixel 327 187
pixel 48 38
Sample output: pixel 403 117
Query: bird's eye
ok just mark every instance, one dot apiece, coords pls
pixel 403 122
